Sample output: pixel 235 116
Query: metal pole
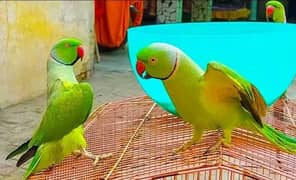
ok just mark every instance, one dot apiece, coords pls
pixel 253 15
pixel 179 10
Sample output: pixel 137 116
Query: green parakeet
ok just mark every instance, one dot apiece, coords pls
pixel 218 98
pixel 275 12
pixel 69 104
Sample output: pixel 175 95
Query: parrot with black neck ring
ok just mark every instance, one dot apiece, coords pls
pixel 69 103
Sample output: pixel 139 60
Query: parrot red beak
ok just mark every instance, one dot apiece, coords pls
pixel 140 67
pixel 80 52
pixel 269 11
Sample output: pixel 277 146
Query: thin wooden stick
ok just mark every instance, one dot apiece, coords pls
pixel 130 141
pixel 289 113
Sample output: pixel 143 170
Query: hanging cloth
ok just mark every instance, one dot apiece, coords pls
pixel 112 19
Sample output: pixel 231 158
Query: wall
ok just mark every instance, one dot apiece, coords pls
pixel 28 30
pixel 201 10
pixel 169 11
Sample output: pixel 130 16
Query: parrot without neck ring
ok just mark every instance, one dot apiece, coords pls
pixel 69 104
pixel 218 98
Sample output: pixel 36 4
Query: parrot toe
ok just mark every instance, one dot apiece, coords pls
pixel 77 154
pixel 100 157
pixel 195 138
pixel 222 141
pixel 184 147
pixel 95 158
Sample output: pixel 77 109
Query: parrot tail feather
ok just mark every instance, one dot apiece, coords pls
pixel 33 165
pixel 28 155
pixel 283 141
pixel 22 148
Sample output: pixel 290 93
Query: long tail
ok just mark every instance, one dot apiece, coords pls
pixel 283 141
pixel 26 156
pixel 54 152
pixel 22 148
pixel 34 163
pixel 46 155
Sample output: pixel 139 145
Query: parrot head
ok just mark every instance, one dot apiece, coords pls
pixel 67 51
pixel 158 60
pixel 275 11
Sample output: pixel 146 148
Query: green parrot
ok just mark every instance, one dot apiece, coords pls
pixel 69 104
pixel 275 12
pixel 218 98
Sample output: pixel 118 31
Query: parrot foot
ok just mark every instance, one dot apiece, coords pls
pixel 222 141
pixel 195 138
pixel 184 147
pixel 77 154
pixel 95 158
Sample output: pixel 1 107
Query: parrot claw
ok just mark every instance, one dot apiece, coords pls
pixel 95 158
pixel 195 138
pixel 209 150
pixel 222 141
pixel 184 147
pixel 77 153
pixel 176 151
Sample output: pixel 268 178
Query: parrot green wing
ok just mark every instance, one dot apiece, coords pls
pixel 53 93
pixel 222 78
pixel 231 85
pixel 68 107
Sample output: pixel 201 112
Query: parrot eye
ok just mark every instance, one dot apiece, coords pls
pixel 153 60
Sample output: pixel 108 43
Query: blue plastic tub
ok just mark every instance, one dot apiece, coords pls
pixel 263 53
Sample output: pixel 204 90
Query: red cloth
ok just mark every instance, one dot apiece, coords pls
pixel 112 18
pixel 139 4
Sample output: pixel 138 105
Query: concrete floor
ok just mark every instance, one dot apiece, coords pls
pixel 112 80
